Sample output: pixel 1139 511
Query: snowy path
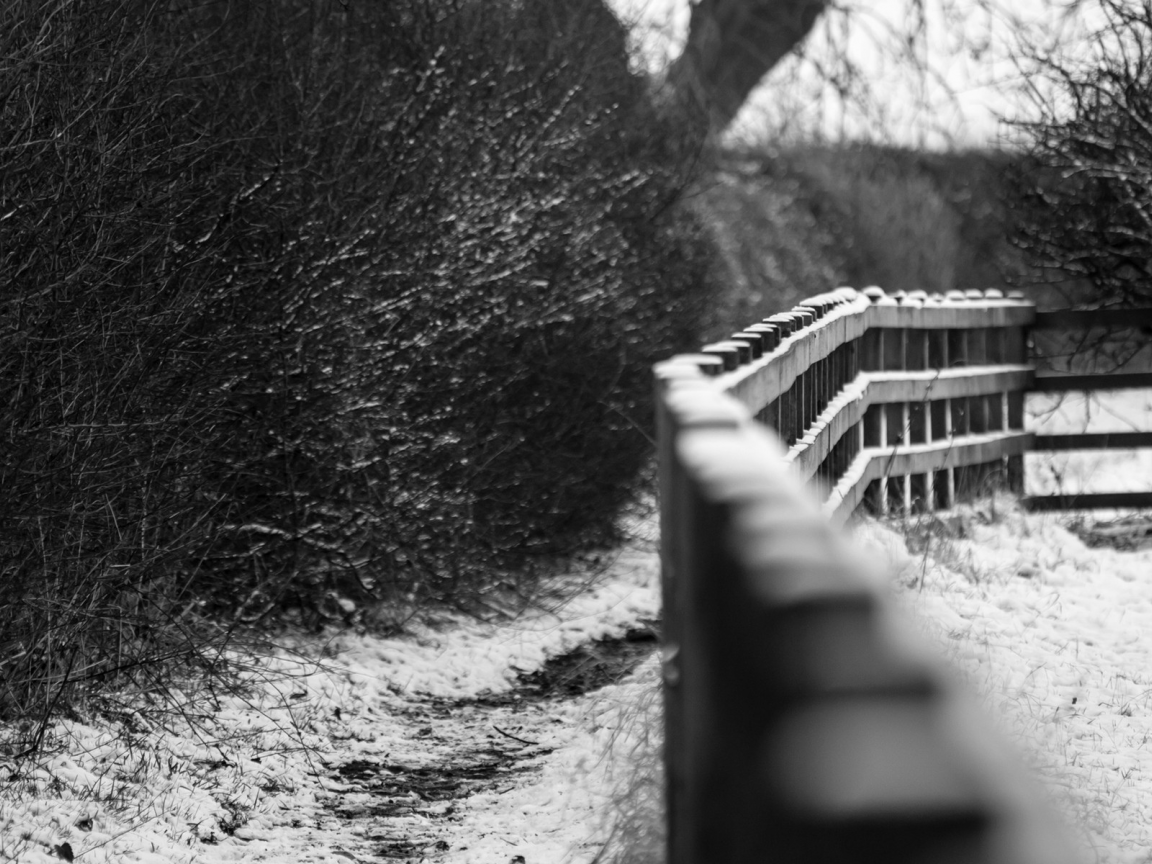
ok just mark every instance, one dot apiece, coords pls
pixel 464 765
pixel 417 749
pixel 420 750
pixel 442 747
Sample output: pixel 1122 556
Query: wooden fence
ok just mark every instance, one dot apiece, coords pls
pixel 898 401
pixel 1111 321
pixel 800 725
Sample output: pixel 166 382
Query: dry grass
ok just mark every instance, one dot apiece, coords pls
pixel 187 769
pixel 634 823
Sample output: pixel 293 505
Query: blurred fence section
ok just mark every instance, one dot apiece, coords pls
pixel 903 401
pixel 802 725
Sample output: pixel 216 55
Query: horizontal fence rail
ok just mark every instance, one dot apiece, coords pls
pixel 910 402
pixel 1092 441
pixel 1087 319
pixel 1084 321
pixel 1099 381
pixel 800 726
pixel 903 402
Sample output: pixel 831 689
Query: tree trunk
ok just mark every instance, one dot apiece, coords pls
pixel 731 45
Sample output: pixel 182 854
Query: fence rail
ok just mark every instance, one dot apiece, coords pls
pixel 902 401
pixel 1083 321
pixel 1099 381
pixel 799 725
pixel 909 402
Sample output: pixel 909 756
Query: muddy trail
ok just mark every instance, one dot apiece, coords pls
pixel 405 809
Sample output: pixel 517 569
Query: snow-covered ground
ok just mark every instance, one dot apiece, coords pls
pixel 1054 635
pixel 338 753
pixel 365 749
pixel 1057 638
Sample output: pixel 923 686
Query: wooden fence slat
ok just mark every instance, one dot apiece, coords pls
pixel 948 383
pixel 1015 410
pixel 957 347
pixel 1088 501
pixel 1015 475
pixel 916 349
pixel 895 341
pixel 1093 441
pixel 1098 381
pixel 1086 319
pixel 875 463
pixel 973 450
pixel 876 389
pixel 978 346
pixel 872 350
pixel 956 316
pixel 767 379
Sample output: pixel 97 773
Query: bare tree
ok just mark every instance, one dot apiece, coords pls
pixel 906 64
pixel 731 45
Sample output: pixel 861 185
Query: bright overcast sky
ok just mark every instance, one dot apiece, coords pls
pixel 948 89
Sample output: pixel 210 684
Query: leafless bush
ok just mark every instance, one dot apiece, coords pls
pixel 1083 199
pixel 314 306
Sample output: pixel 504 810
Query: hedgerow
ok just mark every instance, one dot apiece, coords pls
pixel 315 309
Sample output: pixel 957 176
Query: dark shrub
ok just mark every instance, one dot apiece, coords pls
pixel 314 305
pixel 1081 191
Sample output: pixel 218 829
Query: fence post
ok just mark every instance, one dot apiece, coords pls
pixel 1015 351
pixel 679 408
pixel 804 732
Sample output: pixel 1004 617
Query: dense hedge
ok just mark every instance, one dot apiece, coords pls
pixel 316 306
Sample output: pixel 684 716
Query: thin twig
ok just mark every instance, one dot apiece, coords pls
pixel 514 738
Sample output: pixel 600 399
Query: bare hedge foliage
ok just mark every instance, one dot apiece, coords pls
pixel 335 308
pixel 1085 208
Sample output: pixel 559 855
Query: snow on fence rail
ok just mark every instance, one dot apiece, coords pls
pixel 903 402
pixel 800 725
pixel 910 402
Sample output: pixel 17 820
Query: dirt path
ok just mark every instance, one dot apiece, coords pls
pixel 405 808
